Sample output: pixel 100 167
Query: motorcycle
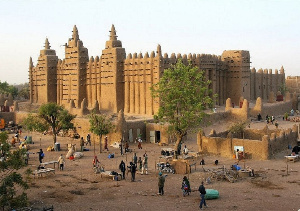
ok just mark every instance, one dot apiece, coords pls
pixel 185 190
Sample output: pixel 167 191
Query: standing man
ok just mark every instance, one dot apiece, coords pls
pixel 126 147
pixel 134 159
pixel 122 168
pixel 105 143
pixel 88 139
pixel 179 149
pixel 61 162
pixel 121 146
pixel 81 144
pixel 185 150
pixel 133 171
pixel 145 166
pixel 161 184
pixel 202 194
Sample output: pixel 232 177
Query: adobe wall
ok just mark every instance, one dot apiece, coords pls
pixel 139 75
pixel 8 116
pixel 238 113
pixel 293 84
pixel 278 108
pixel 138 127
pixel 82 125
pixel 164 136
pixel 212 65
pixel 238 74
pixel 167 139
pixel 264 109
pixel 261 149
pixel 264 81
pixel 6 99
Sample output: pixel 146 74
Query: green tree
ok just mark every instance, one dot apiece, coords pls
pixel 12 187
pixel 183 94
pixel 34 123
pixel 5 88
pixel 283 88
pixel 238 128
pixel 24 91
pixel 52 116
pixel 100 125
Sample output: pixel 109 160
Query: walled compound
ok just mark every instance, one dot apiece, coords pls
pixel 256 144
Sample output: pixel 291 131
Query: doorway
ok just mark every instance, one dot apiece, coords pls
pixel 130 136
pixel 157 136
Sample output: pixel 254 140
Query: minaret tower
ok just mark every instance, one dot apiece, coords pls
pixel 112 69
pixel 43 76
pixel 31 78
pixel 73 73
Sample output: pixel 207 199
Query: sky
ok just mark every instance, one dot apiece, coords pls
pixel 270 30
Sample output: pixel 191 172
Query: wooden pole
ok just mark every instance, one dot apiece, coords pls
pixel 94 146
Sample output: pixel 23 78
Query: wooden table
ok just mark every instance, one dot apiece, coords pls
pixel 50 162
pixel 43 172
pixel 292 158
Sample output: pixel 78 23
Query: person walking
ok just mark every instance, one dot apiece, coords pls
pixel 122 168
pixel 145 164
pixel 161 184
pixel 61 162
pixel 140 143
pixel 88 139
pixel 202 194
pixel 41 155
pixel 140 162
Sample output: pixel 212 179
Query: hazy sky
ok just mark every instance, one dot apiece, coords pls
pixel 270 30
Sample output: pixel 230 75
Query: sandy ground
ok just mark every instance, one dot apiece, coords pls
pixel 79 188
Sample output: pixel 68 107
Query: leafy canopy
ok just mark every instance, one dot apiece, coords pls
pixel 12 186
pixel 5 88
pixel 100 124
pixel 34 123
pixel 183 95
pixel 52 116
pixel 238 128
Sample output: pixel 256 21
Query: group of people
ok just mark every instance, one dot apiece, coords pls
pixel 124 147
pixel 86 142
pixel 185 149
pixel 270 119
pixel 135 165
pixel 184 185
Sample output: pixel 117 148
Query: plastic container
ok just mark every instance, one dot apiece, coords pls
pixel 57 147
pixel 211 194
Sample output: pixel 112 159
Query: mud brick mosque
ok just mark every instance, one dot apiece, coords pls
pixel 117 81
